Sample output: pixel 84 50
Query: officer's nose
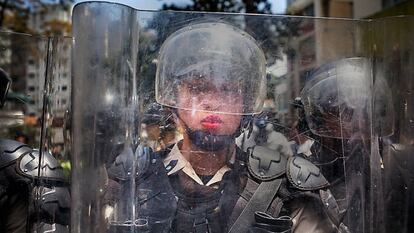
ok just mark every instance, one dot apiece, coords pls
pixel 210 106
pixel 211 103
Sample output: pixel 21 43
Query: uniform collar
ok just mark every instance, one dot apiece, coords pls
pixel 175 162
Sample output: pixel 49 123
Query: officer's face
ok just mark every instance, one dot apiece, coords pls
pixel 206 106
pixel 153 132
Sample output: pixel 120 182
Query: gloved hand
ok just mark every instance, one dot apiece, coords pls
pixel 264 223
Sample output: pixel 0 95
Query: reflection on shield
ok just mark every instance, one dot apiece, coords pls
pixel 211 157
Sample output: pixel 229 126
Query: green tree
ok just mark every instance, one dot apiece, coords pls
pixel 14 13
pixel 245 6
pixel 57 27
pixel 272 32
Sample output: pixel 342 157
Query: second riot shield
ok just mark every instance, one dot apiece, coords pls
pixel 190 122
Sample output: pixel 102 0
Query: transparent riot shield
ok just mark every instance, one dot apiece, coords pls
pixel 22 56
pixel 52 192
pixel 34 190
pixel 190 122
pixel 394 126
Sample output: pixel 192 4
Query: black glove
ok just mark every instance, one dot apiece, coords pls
pixel 264 223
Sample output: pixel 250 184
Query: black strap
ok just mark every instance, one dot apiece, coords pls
pixel 260 201
pixel 200 225
pixel 267 223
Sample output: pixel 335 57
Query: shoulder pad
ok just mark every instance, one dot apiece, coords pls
pixel 266 164
pixel 122 168
pixel 49 170
pixel 11 150
pixel 305 175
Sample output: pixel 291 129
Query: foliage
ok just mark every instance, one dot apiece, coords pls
pixel 14 14
pixel 57 27
pixel 272 32
pixel 235 6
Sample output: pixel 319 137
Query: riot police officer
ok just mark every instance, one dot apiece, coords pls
pixel 34 195
pixel 212 76
pixel 336 103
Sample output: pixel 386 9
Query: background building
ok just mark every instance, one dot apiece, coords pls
pixel 25 58
pixel 382 8
pixel 53 19
pixel 317 38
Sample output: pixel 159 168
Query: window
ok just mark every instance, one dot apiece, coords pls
pixel 64 88
pixel 31 88
pixel 32 75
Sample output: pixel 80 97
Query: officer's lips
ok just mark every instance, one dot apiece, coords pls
pixel 211 122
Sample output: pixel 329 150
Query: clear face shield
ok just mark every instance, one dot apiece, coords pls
pixel 337 110
pixel 211 74
pixel 169 131
pixel 209 61
pixel 337 97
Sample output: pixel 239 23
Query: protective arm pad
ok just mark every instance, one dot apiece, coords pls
pixel 10 151
pixel 49 198
pixel 28 161
pixel 51 204
pixel 50 171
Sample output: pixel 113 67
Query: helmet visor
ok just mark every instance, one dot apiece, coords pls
pixel 211 67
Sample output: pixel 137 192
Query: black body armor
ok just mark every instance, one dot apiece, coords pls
pixel 32 199
pixel 176 203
